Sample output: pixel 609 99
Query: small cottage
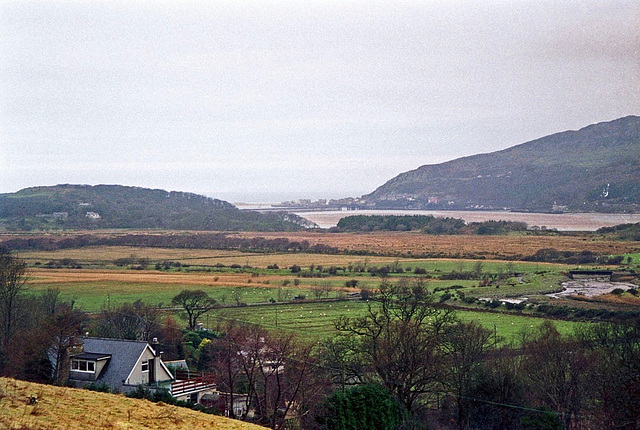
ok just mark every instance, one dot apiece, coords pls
pixel 118 363
pixel 123 365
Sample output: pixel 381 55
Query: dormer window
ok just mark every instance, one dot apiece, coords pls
pixel 83 366
pixel 87 366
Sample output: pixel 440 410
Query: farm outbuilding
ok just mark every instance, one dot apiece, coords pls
pixel 596 275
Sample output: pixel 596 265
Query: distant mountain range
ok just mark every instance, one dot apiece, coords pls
pixel 116 206
pixel 596 168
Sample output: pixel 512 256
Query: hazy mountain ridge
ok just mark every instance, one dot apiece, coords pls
pixel 594 168
pixel 117 206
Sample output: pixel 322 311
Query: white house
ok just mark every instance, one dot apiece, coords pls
pixel 124 365
pixel 119 363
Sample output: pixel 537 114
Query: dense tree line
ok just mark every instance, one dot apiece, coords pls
pixel 184 240
pixel 37 330
pixel 551 255
pixel 427 224
pixel 384 222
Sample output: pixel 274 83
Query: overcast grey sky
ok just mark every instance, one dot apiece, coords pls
pixel 246 100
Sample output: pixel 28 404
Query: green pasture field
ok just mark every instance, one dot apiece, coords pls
pixel 106 255
pixel 316 320
pixel 439 266
pixel 635 259
pixel 534 278
pixel 95 296
pixel 373 282
pixel 528 285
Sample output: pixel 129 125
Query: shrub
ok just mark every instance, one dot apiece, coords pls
pixel 102 388
pixel 445 297
pixel 520 306
pixel 545 419
pixel 363 407
pixel 352 283
pixel 163 396
pixel 140 393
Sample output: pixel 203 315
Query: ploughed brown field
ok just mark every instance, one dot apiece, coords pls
pixel 146 279
pixel 53 276
pixel 401 243
pixel 406 244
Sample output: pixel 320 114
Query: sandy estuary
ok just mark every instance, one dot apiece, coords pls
pixel 561 222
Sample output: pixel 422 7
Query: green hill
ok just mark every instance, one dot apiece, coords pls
pixel 596 168
pixel 115 206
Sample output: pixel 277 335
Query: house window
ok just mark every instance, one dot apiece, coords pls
pixel 145 366
pixel 83 366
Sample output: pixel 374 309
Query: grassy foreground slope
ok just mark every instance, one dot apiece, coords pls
pixel 71 408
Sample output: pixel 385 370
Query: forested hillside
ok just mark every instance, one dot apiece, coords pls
pixel 115 206
pixel 596 168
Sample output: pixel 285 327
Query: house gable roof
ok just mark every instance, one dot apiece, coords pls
pixel 124 356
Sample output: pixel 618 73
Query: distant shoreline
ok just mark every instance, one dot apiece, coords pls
pixel 560 222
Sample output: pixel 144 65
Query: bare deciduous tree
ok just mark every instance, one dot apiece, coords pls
pixel 402 338
pixel 558 370
pixel 466 345
pixel 13 280
pixel 136 321
pixel 195 304
pixel 63 329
